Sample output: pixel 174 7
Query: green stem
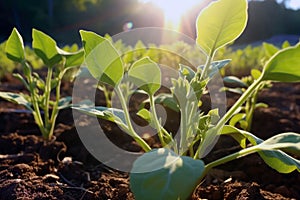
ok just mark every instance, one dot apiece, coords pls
pixel 160 130
pixel 56 103
pixel 238 103
pixel 156 121
pixel 131 130
pixel 239 154
pixel 206 66
pixel 183 130
pixel 47 100
pixel 249 115
pixel 36 113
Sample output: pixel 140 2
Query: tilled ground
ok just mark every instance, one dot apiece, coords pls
pixel 31 168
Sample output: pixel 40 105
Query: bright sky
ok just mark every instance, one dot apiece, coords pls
pixel 294 4
pixel 175 9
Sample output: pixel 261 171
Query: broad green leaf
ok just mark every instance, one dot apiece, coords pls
pixel 221 23
pixel 284 66
pixel 270 153
pixel 14 47
pixel 146 75
pixel 16 98
pixel 157 174
pixel 102 59
pixel 283 140
pixel 278 159
pixel 45 47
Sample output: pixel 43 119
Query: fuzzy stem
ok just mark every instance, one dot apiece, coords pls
pixel 156 121
pixel 131 130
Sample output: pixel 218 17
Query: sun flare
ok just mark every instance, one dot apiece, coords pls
pixel 173 10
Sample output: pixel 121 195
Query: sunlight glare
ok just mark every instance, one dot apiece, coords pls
pixel 173 10
pixel 294 4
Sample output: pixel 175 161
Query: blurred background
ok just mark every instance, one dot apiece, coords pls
pixel 62 19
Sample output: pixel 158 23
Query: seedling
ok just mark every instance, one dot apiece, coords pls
pixel 173 172
pixel 57 61
pixel 243 119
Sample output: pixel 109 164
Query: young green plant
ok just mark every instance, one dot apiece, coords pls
pixel 157 174
pixel 244 117
pixel 57 61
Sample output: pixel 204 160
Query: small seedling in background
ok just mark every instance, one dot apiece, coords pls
pixel 38 101
pixel 243 119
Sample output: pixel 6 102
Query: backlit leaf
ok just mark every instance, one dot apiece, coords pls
pixel 272 150
pixel 102 59
pixel 221 23
pixel 45 47
pixel 14 47
pixel 146 75
pixel 284 66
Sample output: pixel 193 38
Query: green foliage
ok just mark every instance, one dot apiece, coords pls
pixel 163 175
pixel 7 65
pixel 57 62
pixel 220 24
pixel 45 47
pixel 284 66
pixel 15 48
pixel 243 118
pixel 270 153
pixel 146 75
pixel 109 69
pixel 155 174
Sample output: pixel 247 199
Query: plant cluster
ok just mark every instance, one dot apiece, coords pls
pixel 155 174
pixel 57 61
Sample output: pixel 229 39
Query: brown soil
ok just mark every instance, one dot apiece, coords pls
pixel 31 168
